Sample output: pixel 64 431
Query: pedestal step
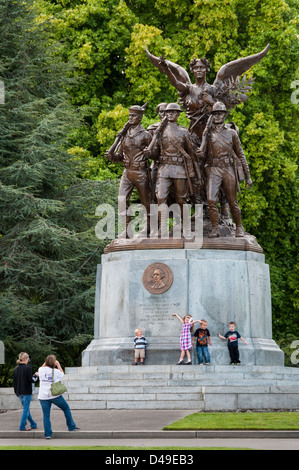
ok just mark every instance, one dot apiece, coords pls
pixel 183 387
pixel 175 387
pixel 208 388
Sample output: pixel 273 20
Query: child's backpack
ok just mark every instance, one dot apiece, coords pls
pixel 202 339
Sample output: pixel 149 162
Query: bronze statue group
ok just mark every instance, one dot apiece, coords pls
pixel 203 164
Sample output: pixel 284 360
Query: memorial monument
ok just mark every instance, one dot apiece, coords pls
pixel 208 266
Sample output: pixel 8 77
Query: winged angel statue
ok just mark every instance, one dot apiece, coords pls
pixel 198 99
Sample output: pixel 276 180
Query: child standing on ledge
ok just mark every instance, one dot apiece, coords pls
pixel 232 343
pixel 139 346
pixel 203 340
pixel 185 338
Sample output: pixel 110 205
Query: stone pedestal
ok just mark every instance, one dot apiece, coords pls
pixel 2 355
pixel 216 285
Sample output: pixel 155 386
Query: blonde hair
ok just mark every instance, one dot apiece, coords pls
pixel 50 361
pixel 22 357
pixel 184 318
pixel 137 330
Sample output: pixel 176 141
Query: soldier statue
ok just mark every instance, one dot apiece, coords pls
pixel 224 158
pixel 132 141
pixel 177 160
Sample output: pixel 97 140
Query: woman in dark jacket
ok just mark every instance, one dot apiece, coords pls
pixel 23 379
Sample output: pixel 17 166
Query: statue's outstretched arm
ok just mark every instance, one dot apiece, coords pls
pixel 176 74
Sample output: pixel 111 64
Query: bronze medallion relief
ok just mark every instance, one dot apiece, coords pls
pixel 157 278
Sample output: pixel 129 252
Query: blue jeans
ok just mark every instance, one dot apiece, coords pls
pixel 62 404
pixel 25 401
pixel 203 353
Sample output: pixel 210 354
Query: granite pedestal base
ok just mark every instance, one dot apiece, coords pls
pixel 216 285
pixel 2 361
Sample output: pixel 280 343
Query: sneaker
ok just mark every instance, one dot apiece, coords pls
pixel 189 363
pixel 134 363
pixel 180 363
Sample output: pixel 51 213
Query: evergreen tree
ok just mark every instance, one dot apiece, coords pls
pixel 48 249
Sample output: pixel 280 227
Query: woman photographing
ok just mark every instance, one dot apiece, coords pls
pixel 52 370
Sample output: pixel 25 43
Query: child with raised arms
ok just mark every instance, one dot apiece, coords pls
pixel 185 338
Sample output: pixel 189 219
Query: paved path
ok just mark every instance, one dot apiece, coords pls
pixel 138 428
pixel 99 420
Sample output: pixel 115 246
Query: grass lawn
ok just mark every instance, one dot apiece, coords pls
pixel 266 421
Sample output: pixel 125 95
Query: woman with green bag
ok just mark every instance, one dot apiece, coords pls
pixel 50 374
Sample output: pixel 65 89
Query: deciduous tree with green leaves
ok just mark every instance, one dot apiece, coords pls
pixel 106 40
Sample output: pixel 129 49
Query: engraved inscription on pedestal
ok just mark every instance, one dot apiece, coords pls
pixel 157 278
pixel 156 312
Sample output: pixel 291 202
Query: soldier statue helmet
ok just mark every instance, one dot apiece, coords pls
pixel 219 107
pixel 136 109
pixel 173 107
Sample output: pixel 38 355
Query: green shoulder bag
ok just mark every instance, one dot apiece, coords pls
pixel 57 388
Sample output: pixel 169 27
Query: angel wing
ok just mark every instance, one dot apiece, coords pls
pixel 177 73
pixel 235 68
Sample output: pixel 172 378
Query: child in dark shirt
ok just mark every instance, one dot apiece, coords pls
pixel 203 340
pixel 232 343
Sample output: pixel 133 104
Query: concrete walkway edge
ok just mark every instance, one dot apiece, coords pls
pixel 152 434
